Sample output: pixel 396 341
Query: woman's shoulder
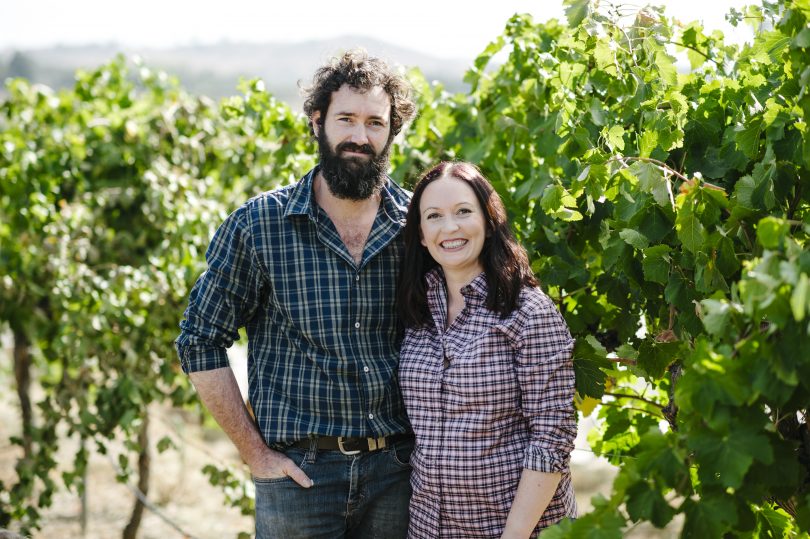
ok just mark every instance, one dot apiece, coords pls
pixel 534 301
pixel 536 311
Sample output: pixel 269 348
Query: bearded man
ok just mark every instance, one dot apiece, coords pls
pixel 310 271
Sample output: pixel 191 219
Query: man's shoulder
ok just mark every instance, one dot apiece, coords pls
pixel 397 199
pixel 272 200
pixel 399 193
pixel 274 204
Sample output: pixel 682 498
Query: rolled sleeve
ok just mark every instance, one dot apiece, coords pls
pixel 223 299
pixel 545 374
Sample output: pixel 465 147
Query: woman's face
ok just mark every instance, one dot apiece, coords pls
pixel 453 227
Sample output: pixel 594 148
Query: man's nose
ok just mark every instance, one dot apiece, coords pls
pixel 359 134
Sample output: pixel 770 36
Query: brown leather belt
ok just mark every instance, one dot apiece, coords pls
pixel 352 446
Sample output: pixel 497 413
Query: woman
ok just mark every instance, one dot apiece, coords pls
pixel 485 369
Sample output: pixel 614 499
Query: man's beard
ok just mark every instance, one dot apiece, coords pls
pixel 352 178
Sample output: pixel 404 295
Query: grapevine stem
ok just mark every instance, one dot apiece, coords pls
pixel 642 410
pixel 666 168
pixel 635 397
pixel 623 361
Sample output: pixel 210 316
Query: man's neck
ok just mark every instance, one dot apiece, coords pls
pixel 340 209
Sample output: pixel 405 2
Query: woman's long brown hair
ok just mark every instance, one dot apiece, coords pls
pixel 504 260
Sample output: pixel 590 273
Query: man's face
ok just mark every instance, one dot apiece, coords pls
pixel 354 142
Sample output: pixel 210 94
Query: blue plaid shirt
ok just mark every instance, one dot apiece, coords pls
pixel 323 341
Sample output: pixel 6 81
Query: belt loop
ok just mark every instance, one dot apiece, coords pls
pixel 312 452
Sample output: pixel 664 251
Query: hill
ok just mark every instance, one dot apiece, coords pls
pixel 215 70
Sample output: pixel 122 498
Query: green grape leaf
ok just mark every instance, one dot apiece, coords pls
pixel 655 357
pixel 717 315
pixel 690 231
pixel 708 517
pixel 634 238
pixel 576 11
pixel 656 264
pixel 646 503
pixel 800 298
pixel 725 458
pixel 771 232
pixel 615 137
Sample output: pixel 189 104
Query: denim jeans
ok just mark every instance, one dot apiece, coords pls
pixel 360 496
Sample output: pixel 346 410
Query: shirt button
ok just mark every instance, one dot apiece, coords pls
pixel 371 416
pixel 357 325
pixel 356 277
pixel 365 369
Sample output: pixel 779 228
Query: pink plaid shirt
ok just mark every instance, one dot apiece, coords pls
pixel 486 397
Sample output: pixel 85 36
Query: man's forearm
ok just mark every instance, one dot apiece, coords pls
pixel 220 393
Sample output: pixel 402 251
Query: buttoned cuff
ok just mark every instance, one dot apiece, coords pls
pixel 544 460
pixel 195 358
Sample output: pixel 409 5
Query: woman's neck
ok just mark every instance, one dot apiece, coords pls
pixel 455 281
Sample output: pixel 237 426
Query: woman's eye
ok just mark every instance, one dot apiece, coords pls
pixel 465 210
pixel 432 216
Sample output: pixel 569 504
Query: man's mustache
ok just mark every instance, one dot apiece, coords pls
pixel 357 148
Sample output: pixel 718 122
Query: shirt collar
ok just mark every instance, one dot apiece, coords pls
pixel 475 294
pixel 301 201
pixel 477 288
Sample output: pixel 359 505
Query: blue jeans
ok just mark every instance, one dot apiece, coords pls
pixel 362 496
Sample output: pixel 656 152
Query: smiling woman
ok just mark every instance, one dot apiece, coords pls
pixel 485 369
pixel 453 228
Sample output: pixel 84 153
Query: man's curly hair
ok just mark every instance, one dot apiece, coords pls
pixel 361 72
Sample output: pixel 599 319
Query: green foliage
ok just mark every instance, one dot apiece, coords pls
pixel 238 490
pixel 668 215
pixel 110 193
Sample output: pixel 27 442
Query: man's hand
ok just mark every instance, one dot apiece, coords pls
pixel 275 465
pixel 220 393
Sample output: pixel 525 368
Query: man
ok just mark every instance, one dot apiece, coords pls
pixel 310 271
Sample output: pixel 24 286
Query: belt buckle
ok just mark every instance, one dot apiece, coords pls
pixel 342 450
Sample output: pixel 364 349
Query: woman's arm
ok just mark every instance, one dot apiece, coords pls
pixel 545 373
pixel 534 492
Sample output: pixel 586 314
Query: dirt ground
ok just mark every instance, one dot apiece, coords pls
pixel 189 506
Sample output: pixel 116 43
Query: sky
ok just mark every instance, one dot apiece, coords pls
pixel 447 29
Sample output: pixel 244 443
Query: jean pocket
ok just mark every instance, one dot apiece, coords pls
pixel 401 453
pixel 270 480
pixel 297 455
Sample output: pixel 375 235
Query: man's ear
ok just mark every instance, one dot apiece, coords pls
pixel 315 121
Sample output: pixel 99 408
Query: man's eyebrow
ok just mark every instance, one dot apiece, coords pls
pixel 353 114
